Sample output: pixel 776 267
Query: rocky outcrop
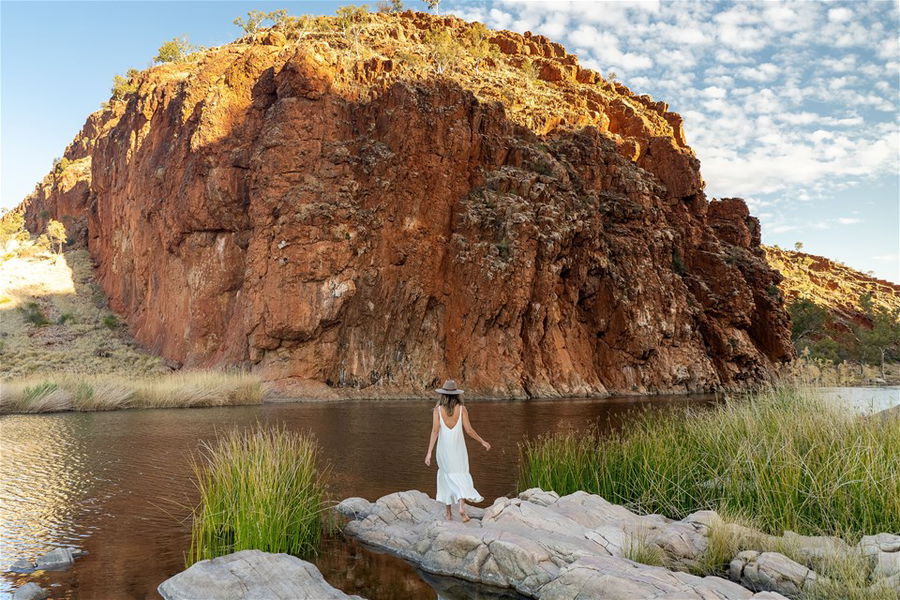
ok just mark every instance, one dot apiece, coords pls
pixel 581 546
pixel 251 574
pixel 337 214
pixel 541 545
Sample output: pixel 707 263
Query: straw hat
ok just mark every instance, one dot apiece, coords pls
pixel 449 387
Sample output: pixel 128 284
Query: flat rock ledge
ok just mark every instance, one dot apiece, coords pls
pixel 545 546
pixel 251 574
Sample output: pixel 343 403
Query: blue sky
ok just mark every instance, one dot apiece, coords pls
pixel 790 105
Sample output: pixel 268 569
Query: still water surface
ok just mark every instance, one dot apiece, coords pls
pixel 118 484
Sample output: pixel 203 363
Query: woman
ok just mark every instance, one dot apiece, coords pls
pixel 454 484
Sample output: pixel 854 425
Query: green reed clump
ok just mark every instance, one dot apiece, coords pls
pixel 783 458
pixel 259 489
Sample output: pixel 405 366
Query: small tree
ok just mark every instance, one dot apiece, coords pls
pixel 124 86
pixel 351 19
pixel 612 76
pixel 798 246
pixel 442 50
pixel 434 5
pixel 253 22
pixel 175 50
pixel 60 165
pixel 394 6
pixel 56 231
pixel 883 338
pixel 808 320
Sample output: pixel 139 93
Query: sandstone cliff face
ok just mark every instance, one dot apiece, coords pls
pixel 339 214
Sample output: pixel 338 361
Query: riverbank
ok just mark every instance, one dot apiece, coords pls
pixel 91 392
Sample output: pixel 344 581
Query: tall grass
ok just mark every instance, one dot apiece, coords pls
pixel 83 392
pixel 784 459
pixel 259 489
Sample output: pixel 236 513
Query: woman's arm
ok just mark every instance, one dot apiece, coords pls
pixel 434 433
pixel 471 430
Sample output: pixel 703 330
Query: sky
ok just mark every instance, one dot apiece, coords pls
pixel 790 105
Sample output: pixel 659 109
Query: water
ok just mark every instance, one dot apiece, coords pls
pixel 118 484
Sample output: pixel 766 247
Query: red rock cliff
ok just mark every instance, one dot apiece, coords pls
pixel 338 212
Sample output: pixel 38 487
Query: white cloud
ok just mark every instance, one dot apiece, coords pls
pixel 849 220
pixel 840 15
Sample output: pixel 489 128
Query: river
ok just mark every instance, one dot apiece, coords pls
pixel 118 484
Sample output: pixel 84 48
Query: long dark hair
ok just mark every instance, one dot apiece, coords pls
pixel 449 402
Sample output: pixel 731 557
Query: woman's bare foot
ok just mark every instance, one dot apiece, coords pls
pixel 449 513
pixel 462 511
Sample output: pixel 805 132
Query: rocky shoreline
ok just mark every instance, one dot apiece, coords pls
pixel 547 547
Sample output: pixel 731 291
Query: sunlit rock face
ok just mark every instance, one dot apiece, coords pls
pixel 339 215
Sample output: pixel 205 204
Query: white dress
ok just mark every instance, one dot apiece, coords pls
pixel 453 480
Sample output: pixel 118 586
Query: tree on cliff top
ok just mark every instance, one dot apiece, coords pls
pixel 394 6
pixel 123 86
pixel 175 50
pixel 255 19
pixel 56 231
pixel 351 19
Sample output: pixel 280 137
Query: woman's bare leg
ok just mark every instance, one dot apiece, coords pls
pixel 449 513
pixel 462 510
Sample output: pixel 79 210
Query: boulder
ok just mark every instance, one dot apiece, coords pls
pixel 21 566
pixel 610 578
pixel 883 551
pixel 251 574
pixel 58 559
pixel 31 591
pixel 772 571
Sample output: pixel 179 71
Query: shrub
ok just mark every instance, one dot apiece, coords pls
pixel 175 50
pixel 60 165
pixel 125 86
pixel 394 6
pixel 351 19
pixel 260 488
pixel 677 262
pixel 32 313
pixel 255 19
pixel 479 48
pixel 110 322
pixel 65 318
